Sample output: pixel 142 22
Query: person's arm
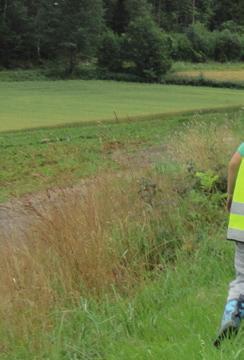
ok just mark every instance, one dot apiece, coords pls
pixel 233 168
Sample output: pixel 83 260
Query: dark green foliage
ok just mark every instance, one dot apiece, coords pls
pixel 148 48
pixel 227 46
pixel 110 52
pixel 232 27
pixel 181 47
pixel 39 30
pixel 225 10
pixel 80 28
pixel 242 47
pixel 201 41
pixel 120 17
pixel 69 32
pixel 138 8
pixel 199 44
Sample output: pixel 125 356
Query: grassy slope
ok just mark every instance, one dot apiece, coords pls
pixel 174 316
pixel 29 165
pixel 72 153
pixel 40 103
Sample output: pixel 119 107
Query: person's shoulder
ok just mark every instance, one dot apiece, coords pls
pixel 240 149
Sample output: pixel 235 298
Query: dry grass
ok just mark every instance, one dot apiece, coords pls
pixel 84 243
pixel 110 235
pixel 204 146
pixel 219 75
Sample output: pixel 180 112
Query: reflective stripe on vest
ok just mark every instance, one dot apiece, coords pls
pixel 236 220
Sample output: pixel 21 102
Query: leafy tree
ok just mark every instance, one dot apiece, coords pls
pixel 110 52
pixel 148 48
pixel 43 21
pixel 203 11
pixel 79 30
pixel 36 31
pixel 227 46
pixel 182 47
pixel 13 32
pixel 225 10
pixel 232 26
pixel 120 17
pixel 125 11
pixel 202 42
pixel 138 8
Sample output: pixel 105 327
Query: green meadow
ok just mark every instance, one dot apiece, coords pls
pixel 33 104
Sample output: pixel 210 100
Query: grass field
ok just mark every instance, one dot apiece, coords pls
pixel 45 103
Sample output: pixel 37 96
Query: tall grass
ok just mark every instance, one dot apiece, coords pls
pixel 108 240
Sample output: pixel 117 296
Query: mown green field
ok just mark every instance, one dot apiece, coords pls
pixel 45 103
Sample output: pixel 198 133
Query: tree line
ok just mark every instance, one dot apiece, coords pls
pixel 139 37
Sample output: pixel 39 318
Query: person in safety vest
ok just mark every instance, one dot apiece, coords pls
pixel 234 308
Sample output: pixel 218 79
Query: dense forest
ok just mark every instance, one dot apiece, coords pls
pixel 141 37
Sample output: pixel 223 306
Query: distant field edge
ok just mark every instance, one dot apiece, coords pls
pixel 128 119
pixel 203 80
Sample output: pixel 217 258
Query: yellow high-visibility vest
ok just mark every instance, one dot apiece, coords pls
pixel 236 220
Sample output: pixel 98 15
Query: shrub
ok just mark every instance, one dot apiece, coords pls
pixel 232 26
pixel 227 46
pixel 203 147
pixel 181 47
pixel 242 47
pixel 148 48
pixel 201 42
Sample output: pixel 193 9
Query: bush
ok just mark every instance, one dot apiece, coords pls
pixel 201 41
pixel 242 47
pixel 148 48
pixel 181 47
pixel 110 52
pixel 227 46
pixel 232 26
